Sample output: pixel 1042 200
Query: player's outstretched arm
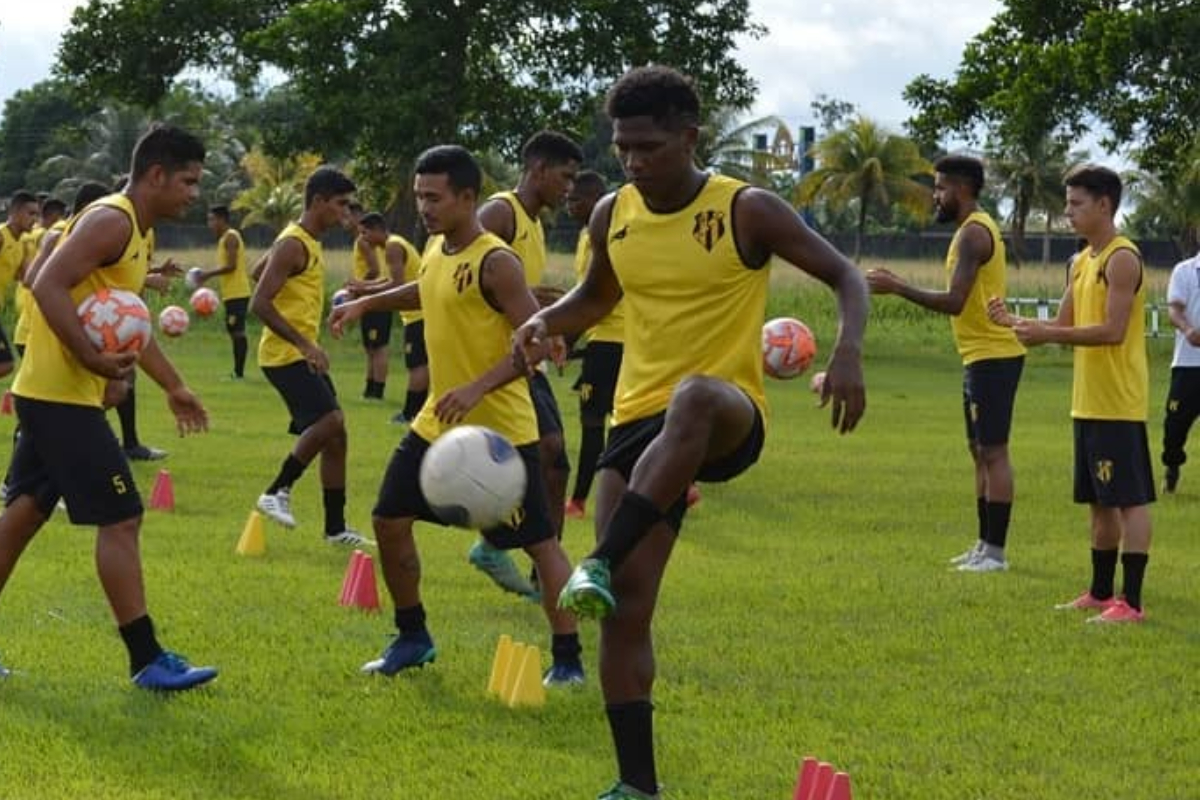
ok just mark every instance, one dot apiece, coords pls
pixel 767 226
pixel 974 249
pixel 287 258
pixel 406 297
pixel 190 414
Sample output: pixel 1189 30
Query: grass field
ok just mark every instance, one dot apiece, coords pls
pixel 808 610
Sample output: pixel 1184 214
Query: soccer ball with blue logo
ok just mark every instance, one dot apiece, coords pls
pixel 472 477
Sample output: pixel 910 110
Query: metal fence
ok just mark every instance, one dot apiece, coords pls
pixel 1158 323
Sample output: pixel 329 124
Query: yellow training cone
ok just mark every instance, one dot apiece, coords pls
pixel 500 661
pixel 527 689
pixel 253 541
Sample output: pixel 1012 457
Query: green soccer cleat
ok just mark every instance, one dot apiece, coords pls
pixel 588 592
pixel 498 566
pixel 621 791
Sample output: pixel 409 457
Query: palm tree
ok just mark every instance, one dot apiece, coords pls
pixel 1169 206
pixel 103 152
pixel 276 193
pixel 864 164
pixel 726 146
pixel 1030 175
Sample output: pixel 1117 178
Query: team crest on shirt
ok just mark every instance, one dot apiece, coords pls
pixel 516 518
pixel 709 228
pixel 462 276
pixel 1104 470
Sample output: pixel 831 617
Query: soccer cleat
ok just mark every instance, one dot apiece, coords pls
pixel 984 563
pixel 621 791
pixel 564 675
pixel 399 418
pixel 349 537
pixel 498 566
pixel 1086 601
pixel 574 509
pixel 404 652
pixel 1170 480
pixel 1119 611
pixel 963 558
pixel 693 495
pixel 588 592
pixel 278 507
pixel 141 452
pixel 171 672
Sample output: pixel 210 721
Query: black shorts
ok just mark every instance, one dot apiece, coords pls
pixel 628 441
pixel 235 315
pixel 549 420
pixel 1112 464
pixel 598 381
pixel 415 354
pixel 400 496
pixel 308 396
pixel 70 451
pixel 6 351
pixel 989 394
pixel 376 329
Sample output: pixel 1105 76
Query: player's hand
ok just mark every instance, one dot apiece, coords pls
pixel 343 315
pixel 530 344
pixel 190 416
pixel 1030 332
pixel 453 406
pixel 168 269
pixel 843 387
pixel 115 393
pixel 559 352
pixel 883 281
pixel 999 314
pixel 318 360
pixel 114 366
pixel 159 283
pixel 1193 337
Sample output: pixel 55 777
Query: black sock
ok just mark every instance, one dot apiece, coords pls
pixel 239 355
pixel 289 473
pixel 591 443
pixel 411 621
pixel 335 511
pixel 1134 565
pixel 369 388
pixel 565 648
pixel 127 414
pixel 981 514
pixel 998 515
pixel 413 402
pixel 634 517
pixel 632 726
pixel 1104 569
pixel 140 642
pixel 379 387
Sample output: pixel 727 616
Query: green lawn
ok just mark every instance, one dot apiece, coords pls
pixel 808 610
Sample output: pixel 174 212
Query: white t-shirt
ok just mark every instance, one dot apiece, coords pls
pixel 1184 288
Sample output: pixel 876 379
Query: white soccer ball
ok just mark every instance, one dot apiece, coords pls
pixel 115 320
pixel 192 278
pixel 472 477
pixel 788 347
pixel 173 321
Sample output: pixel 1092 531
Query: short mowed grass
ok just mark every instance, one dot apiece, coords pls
pixel 808 609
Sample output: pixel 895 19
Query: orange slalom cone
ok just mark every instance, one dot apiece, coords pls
pixel 344 599
pixel 6 403
pixel 365 593
pixel 808 776
pixel 823 782
pixel 162 496
pixel 840 788
pixel 252 542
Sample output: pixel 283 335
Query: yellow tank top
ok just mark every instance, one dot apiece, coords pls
pixel 12 254
pixel 360 267
pixel 453 304
pixel 25 303
pixel 412 270
pixel 612 327
pixel 233 285
pixel 692 306
pixel 529 240
pixel 49 370
pixel 301 301
pixel 976 336
pixel 1112 382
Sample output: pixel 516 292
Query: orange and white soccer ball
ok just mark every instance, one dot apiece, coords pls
pixel 116 320
pixel 788 347
pixel 173 321
pixel 205 301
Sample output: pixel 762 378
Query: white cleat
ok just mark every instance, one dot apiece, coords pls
pixel 350 538
pixel 278 507
pixel 975 552
pixel 984 564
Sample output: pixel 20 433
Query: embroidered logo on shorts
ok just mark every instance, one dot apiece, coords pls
pixel 1104 470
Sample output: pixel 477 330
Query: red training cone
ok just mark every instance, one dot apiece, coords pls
pixel 348 581
pixel 162 496
pixel 808 775
pixel 365 595
pixel 6 403
pixel 840 788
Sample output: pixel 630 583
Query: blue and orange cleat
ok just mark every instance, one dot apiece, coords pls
pixel 404 652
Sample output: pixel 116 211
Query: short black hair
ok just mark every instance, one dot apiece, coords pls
pixel 963 169
pixel 591 182
pixel 87 194
pixel 20 198
pixel 52 205
pixel 326 181
pixel 551 147
pixel 374 221
pixel 662 93
pixel 220 211
pixel 455 162
pixel 1097 181
pixel 167 146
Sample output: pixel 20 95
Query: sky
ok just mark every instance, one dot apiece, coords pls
pixel 861 51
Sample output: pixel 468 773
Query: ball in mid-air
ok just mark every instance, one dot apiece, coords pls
pixel 205 301
pixel 115 320
pixel 472 477
pixel 192 278
pixel 173 321
pixel 788 347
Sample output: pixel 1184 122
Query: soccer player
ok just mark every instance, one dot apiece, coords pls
pixel 601 355
pixel 469 281
pixel 66 447
pixel 1183 398
pixel 52 218
pixel 689 252
pixel 1103 316
pixel 550 161
pixel 370 270
pixel 991 355
pixel 22 215
pixel 234 283
pixel 290 300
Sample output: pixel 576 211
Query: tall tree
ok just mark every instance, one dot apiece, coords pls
pixel 865 166
pixel 37 123
pixel 1032 181
pixel 276 194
